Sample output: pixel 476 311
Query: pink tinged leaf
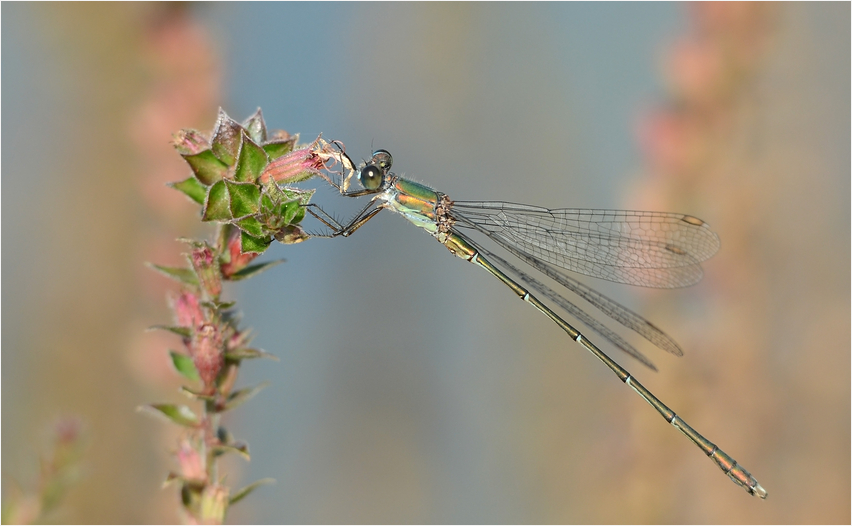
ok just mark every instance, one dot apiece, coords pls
pixel 256 127
pixel 188 142
pixel 226 138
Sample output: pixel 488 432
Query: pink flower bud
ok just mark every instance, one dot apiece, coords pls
pixel 187 310
pixel 295 166
pixel 208 354
pixel 238 260
pixel 207 269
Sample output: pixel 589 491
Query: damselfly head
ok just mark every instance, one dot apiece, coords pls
pixel 372 176
pixel 382 159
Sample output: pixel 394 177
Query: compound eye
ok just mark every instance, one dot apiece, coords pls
pixel 382 159
pixel 371 177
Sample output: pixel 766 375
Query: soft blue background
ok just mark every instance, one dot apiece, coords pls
pixel 412 386
pixel 397 397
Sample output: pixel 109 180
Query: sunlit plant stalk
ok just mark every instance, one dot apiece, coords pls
pixel 240 177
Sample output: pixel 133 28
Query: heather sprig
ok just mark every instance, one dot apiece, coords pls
pixel 240 174
pixel 60 467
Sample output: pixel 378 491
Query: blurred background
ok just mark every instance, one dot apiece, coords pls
pixel 412 387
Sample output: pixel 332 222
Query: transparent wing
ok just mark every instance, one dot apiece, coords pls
pixel 650 249
pixel 568 306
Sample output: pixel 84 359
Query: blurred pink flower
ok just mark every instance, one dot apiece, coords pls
pixel 669 140
pixel 696 71
pixel 187 311
pixel 191 462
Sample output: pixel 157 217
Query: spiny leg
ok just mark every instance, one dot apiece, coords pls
pixel 337 228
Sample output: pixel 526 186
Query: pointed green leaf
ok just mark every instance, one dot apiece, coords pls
pixel 252 226
pixel 217 206
pixel 304 196
pixel 184 332
pixel 206 167
pixel 184 275
pixel 238 398
pixel 241 494
pixel 184 365
pixel 245 198
pixel 257 268
pixel 192 189
pixel 218 305
pixel 289 210
pixel 245 353
pixel 171 478
pixel 266 203
pixel 196 394
pixel 277 148
pixel 255 127
pixel 249 244
pixel 240 449
pixel 251 162
pixel 179 414
pixel 275 193
pixel 226 138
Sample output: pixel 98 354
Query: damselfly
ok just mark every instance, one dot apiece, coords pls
pixel 651 249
